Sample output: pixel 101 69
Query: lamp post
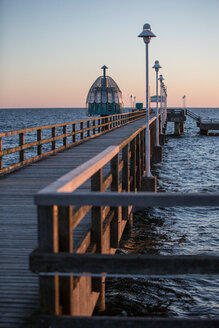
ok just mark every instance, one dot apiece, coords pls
pixel 157 67
pixel 146 34
pixel 184 101
pixel 131 103
pixel 161 101
pixel 164 105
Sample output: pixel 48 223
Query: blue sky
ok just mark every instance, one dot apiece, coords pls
pixel 52 50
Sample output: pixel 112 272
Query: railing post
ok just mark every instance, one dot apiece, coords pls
pixel 65 245
pixel 138 162
pixel 88 127
pixel 82 133
pixel 99 125
pixel 98 284
pixel 115 228
pixel 125 178
pixel 64 129
pixel 102 122
pixel 133 165
pixel 53 136
pixel 143 149
pixel 1 148
pixel 21 143
pixel 94 126
pixel 39 138
pixel 97 216
pixel 48 243
pixel 73 130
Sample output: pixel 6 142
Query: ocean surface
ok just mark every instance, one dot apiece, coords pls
pixel 190 164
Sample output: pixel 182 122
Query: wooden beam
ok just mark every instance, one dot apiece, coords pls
pixel 152 265
pixel 140 199
pixel 125 322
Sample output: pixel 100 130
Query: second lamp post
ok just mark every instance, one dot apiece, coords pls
pixel 146 34
pixel 157 67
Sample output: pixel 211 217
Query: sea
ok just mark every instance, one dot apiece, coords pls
pixel 190 164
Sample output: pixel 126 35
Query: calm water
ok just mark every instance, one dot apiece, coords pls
pixel 191 164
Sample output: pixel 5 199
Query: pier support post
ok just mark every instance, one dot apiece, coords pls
pixel 181 126
pixel 162 139
pixel 177 128
pixel 149 184
pixel 157 155
pixel 204 132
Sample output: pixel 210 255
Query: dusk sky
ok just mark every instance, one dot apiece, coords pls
pixel 51 51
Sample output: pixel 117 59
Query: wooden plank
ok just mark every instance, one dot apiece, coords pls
pixel 75 178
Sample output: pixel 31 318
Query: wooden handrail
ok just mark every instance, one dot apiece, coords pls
pixel 10 133
pixel 79 133
pixel 141 199
pixel 72 180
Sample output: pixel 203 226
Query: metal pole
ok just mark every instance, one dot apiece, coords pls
pixel 157 120
pixel 161 105
pixel 166 107
pixel 147 134
pixel 131 103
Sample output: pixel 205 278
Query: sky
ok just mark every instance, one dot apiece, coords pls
pixel 51 51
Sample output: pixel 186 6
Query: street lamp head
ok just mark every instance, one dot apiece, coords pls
pixel 161 78
pixel 146 34
pixel 156 65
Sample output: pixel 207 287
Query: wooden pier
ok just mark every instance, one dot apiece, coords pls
pixel 178 116
pixel 83 200
pixel 18 213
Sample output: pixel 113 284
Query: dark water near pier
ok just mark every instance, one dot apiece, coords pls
pixel 191 164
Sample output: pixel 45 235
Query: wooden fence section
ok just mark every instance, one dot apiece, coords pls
pixel 73 284
pixel 72 133
pixel 118 168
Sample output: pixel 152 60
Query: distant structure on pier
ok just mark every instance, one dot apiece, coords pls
pixel 104 97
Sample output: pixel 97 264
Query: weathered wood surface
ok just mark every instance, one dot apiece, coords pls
pixel 18 221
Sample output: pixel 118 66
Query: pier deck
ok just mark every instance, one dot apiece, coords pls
pixel 18 218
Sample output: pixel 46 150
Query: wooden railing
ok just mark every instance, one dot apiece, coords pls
pixel 79 232
pixel 53 138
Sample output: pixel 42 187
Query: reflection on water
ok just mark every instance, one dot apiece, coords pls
pixel 190 164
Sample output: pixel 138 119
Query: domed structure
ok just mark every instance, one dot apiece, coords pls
pixel 104 97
